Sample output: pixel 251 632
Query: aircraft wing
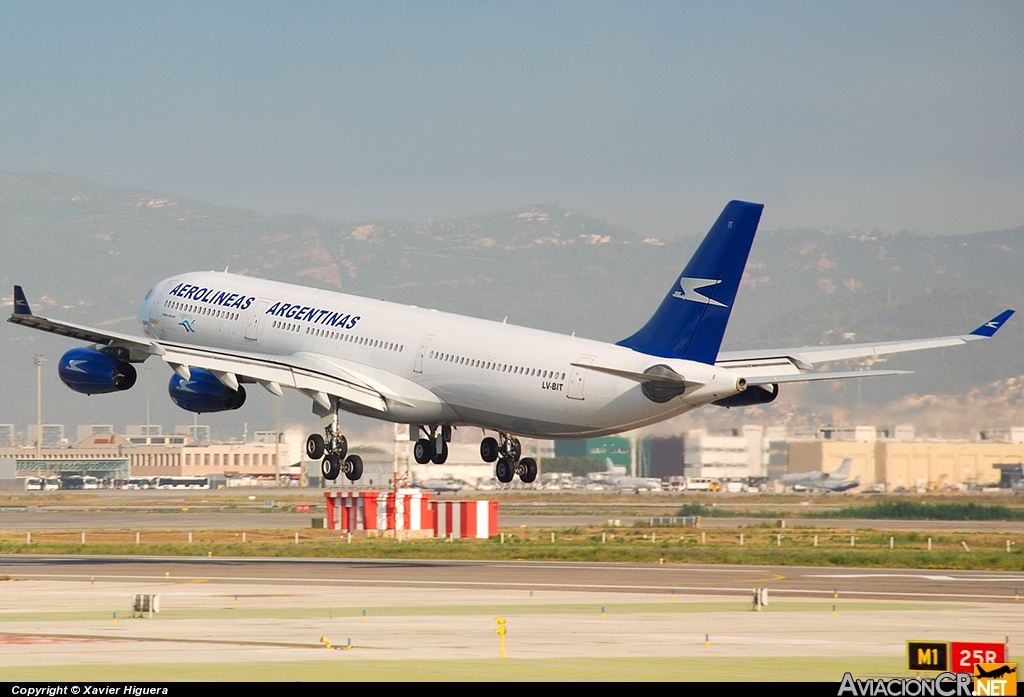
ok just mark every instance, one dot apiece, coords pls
pixel 140 348
pixel 299 371
pixel 318 377
pixel 765 366
pixel 78 331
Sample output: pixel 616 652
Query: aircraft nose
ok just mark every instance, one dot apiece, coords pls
pixel 146 307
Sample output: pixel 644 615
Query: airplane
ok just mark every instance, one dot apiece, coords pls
pixel 440 486
pixel 437 371
pixel 836 481
pixel 626 483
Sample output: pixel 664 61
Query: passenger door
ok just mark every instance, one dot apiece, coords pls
pixel 421 354
pixel 255 317
pixel 577 377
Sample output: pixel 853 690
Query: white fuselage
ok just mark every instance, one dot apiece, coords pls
pixel 441 368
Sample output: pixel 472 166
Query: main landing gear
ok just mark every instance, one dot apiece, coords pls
pixel 334 451
pixel 506 454
pixel 434 446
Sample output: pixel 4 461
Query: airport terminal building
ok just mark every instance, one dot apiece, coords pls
pixel 899 461
pixel 108 455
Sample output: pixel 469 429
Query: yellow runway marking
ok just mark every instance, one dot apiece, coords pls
pixel 765 579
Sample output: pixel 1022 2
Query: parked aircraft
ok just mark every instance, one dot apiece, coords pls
pixel 620 481
pixel 839 480
pixel 437 371
pixel 441 486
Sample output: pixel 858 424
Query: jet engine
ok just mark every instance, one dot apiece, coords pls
pixel 204 393
pixel 90 371
pixel 752 396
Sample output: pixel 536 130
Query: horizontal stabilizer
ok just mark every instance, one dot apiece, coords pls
pixel 752 363
pixel 811 377
pixel 662 376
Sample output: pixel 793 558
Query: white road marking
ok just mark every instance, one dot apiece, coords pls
pixel 969 579
pixel 718 590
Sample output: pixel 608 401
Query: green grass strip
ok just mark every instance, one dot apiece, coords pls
pixel 915 510
pixel 621 550
pixel 896 509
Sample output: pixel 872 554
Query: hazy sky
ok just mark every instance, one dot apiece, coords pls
pixel 650 115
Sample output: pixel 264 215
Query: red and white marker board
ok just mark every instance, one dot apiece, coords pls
pixel 408 509
pixel 465 519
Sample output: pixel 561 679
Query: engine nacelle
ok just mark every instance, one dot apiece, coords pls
pixel 752 396
pixel 204 393
pixel 90 371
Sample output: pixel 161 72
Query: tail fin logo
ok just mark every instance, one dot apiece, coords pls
pixel 690 287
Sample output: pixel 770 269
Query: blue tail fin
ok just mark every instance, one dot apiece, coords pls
pixel 691 320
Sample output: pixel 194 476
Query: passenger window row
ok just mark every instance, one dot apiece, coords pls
pixel 287 326
pixel 499 367
pixel 201 310
pixel 341 336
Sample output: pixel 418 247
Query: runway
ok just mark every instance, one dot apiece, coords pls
pixel 69 618
pixel 650 579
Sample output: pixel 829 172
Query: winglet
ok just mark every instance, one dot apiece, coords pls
pixel 992 326
pixel 20 303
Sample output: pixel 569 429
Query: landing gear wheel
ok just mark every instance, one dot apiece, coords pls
pixel 353 467
pixel 338 445
pixel 315 447
pixel 441 457
pixel 489 450
pixel 330 468
pixel 528 470
pixel 423 451
pixel 505 470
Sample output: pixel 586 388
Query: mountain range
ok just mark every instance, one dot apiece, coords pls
pixel 87 253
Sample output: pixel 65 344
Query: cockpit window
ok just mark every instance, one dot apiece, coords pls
pixel 148 294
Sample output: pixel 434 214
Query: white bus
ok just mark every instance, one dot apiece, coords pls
pixel 183 483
